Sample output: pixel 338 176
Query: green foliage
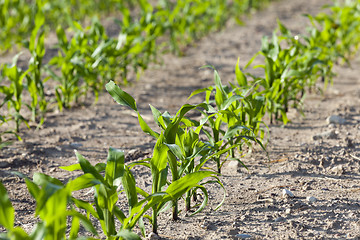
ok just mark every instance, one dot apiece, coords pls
pixel 11 87
pixel 234 118
pixel 52 198
pixel 35 83
pixel 178 145
pixel 295 63
pixel 89 57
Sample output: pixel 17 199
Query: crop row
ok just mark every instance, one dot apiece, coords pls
pixel 231 123
pixel 87 56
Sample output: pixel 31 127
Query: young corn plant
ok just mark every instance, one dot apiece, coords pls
pixel 11 80
pixel 4 143
pixel 118 176
pixel 346 22
pixel 56 205
pixel 15 22
pixel 232 121
pixel 53 207
pixel 182 137
pixel 78 61
pixel 106 193
pixel 168 141
pixel 67 60
pixel 35 83
pixel 288 71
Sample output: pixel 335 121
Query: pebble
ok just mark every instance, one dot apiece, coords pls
pixel 311 199
pixel 287 193
pixel 325 135
pixel 231 167
pixel 280 219
pixel 338 170
pixel 288 211
pixel 75 145
pixel 4 164
pixel 58 148
pixel 243 236
pixel 153 236
pixel 335 119
pixel 349 143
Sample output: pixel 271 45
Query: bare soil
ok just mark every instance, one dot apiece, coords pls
pixel 309 156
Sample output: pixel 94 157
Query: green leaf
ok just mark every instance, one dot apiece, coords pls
pixel 176 150
pixel 229 101
pixel 141 207
pixel 86 206
pixel 34 190
pixel 43 180
pixel 18 233
pixel 72 167
pixel 114 165
pixel 177 188
pixel 218 83
pixel 88 168
pixel 240 76
pixel 145 127
pixel 233 131
pixel 156 114
pixel 84 181
pixel 84 220
pixel 159 160
pixel 119 214
pixel 127 235
pixel 205 201
pixel 222 186
pixel 121 97
pixel 6 209
pixel 129 184
pixel 199 91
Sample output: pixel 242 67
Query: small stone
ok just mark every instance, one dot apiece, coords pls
pixel 349 143
pixel 338 170
pixel 58 148
pixel 335 119
pixel 233 232
pixel 288 211
pixel 243 236
pixel 75 145
pixel 4 164
pixel 231 167
pixel 325 135
pixel 153 236
pixel 311 199
pixel 280 219
pixel 287 193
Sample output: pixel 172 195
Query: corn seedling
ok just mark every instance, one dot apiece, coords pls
pixel 173 150
pixel 3 121
pixel 35 84
pixel 52 201
pixel 232 121
pixel 117 176
pixel 13 90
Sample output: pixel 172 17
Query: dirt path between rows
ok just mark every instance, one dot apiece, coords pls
pixel 317 161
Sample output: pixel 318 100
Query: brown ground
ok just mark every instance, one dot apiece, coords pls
pixel 326 168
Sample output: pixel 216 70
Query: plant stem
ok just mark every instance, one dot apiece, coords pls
pixel 174 172
pixel 218 164
pixel 154 220
pixel 175 210
pixel 188 199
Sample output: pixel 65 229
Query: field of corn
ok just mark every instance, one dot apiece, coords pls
pixel 73 61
